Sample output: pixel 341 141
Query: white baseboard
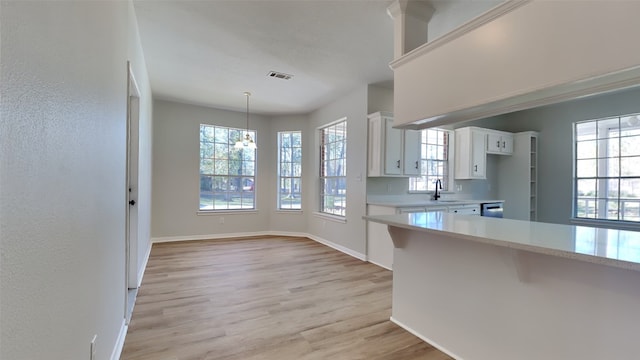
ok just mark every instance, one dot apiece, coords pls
pixel 117 349
pixel 207 237
pixel 143 266
pixel 425 339
pixel 379 264
pixel 322 241
pixel 338 247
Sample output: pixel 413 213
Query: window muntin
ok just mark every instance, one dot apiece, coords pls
pixel 333 169
pixel 227 174
pixel 607 169
pixel 289 170
pixel 434 158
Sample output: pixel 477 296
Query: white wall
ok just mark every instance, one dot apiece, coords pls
pixel 352 234
pixel 176 172
pixel 379 98
pixel 451 14
pixel 62 177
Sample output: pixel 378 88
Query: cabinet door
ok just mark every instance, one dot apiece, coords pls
pixel 393 149
pixel 412 152
pixel 478 154
pixel 494 143
pixel 375 149
pixel 506 144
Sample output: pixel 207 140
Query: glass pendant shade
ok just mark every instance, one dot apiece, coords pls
pixel 247 141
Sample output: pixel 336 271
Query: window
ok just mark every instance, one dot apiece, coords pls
pixel 333 169
pixel 289 170
pixel 434 157
pixel 227 174
pixel 607 169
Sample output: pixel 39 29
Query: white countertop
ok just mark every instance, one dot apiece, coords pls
pixel 619 248
pixel 391 202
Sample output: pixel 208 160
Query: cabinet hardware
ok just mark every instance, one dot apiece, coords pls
pixel 416 165
pixel 475 168
pixel 498 143
pixel 398 164
pixel 504 144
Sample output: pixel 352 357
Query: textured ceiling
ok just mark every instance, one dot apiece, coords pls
pixel 210 52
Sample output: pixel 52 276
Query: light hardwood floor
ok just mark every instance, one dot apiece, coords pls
pixel 265 298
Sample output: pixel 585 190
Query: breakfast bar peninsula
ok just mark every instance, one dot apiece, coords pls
pixel 484 288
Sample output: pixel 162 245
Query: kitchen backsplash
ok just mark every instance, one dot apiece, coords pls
pixel 462 189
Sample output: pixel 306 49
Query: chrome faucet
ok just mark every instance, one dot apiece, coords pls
pixel 436 196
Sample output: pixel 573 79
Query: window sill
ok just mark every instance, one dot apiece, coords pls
pixel 226 212
pixel 608 224
pixel 429 192
pixel 293 211
pixel 334 218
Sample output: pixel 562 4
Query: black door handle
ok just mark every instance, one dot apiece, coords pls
pixel 132 202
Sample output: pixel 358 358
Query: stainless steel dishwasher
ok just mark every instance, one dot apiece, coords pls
pixel 491 209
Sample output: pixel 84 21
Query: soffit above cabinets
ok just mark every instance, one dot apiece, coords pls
pixel 519 55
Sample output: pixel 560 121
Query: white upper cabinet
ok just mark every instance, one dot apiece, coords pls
pixel 412 152
pixel 470 154
pixel 392 148
pixel 499 142
pixel 391 152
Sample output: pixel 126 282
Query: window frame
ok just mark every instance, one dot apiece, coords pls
pixel 292 175
pixel 340 180
pixel 244 174
pixel 448 178
pixel 602 180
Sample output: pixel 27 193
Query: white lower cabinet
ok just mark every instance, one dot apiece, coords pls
pixel 465 209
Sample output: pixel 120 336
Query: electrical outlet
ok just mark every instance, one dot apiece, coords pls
pixel 93 347
pixel 221 220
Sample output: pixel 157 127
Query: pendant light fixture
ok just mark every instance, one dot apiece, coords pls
pixel 247 141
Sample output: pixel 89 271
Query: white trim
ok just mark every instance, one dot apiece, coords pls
pixel 425 339
pixel 207 236
pixel 143 265
pixel 608 224
pixel 226 212
pixel 379 264
pixel 119 345
pixel 287 233
pixel 318 239
pixel 465 28
pixel 355 254
pixel 330 217
pixel 289 212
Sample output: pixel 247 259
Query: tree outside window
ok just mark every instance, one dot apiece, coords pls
pixel 290 170
pixel 227 174
pixel 333 169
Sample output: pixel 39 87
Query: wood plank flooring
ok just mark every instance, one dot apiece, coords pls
pixel 265 298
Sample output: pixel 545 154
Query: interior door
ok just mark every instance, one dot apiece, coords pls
pixel 133 121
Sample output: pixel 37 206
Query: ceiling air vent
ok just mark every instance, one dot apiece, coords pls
pixel 279 75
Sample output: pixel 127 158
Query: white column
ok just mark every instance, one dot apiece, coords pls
pixel 410 24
